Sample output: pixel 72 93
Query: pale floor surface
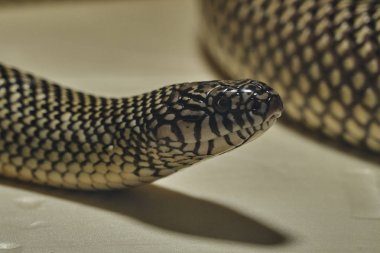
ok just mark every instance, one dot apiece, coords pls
pixel 282 193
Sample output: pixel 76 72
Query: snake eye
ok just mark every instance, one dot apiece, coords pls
pixel 223 104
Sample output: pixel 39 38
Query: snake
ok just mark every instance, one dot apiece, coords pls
pixel 321 58
pixel 60 137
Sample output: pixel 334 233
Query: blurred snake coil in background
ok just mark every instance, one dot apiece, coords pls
pixel 323 57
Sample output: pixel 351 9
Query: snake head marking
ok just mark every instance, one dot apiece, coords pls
pixel 216 116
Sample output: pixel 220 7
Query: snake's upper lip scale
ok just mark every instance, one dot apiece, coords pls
pixel 275 106
pixel 275 115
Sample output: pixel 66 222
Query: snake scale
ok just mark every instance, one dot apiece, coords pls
pixel 321 56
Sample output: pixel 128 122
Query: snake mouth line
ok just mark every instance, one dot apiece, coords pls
pixel 243 134
pixel 255 131
pixel 240 137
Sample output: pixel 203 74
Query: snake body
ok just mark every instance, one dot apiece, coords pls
pixel 322 56
pixel 57 136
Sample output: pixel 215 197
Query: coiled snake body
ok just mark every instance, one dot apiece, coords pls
pixel 322 56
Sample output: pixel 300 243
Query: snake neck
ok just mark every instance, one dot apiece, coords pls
pixel 58 136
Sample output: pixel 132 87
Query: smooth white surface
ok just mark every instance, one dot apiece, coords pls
pixel 281 193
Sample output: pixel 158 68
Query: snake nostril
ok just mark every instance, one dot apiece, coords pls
pixel 254 105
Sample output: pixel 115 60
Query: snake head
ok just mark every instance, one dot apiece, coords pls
pixel 201 119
